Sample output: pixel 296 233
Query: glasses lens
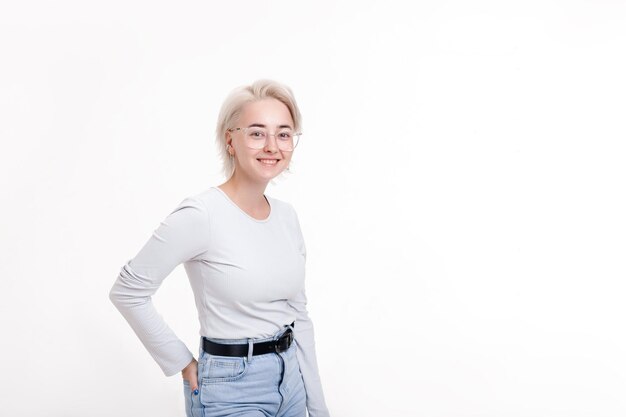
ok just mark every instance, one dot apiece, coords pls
pixel 296 138
pixel 284 139
pixel 255 137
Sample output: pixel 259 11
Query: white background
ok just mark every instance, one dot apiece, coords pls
pixel 460 186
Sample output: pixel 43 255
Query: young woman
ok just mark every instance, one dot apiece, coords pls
pixel 244 254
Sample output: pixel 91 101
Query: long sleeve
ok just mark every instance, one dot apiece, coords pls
pixel 305 349
pixel 181 236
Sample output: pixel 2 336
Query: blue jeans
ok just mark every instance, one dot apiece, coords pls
pixel 254 386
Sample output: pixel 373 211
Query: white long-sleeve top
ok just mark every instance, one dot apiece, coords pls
pixel 247 277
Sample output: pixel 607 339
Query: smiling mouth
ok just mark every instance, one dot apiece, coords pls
pixel 267 161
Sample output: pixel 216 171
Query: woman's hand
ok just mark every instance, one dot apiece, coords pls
pixel 190 373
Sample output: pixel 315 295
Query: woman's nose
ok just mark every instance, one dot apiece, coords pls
pixel 270 143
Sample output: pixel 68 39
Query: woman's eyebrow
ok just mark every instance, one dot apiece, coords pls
pixel 262 125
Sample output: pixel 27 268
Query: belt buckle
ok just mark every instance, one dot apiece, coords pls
pixel 284 341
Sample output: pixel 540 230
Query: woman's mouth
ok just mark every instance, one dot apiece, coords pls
pixel 268 161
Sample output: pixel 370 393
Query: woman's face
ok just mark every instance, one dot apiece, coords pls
pixel 271 114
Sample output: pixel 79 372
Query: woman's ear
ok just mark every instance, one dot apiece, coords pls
pixel 228 141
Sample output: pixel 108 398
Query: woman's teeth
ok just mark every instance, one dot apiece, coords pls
pixel 268 161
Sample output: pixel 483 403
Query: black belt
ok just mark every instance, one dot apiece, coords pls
pixel 260 348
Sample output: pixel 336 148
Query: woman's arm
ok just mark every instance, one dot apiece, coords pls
pixel 304 336
pixel 181 236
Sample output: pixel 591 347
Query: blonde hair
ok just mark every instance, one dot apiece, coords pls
pixel 233 105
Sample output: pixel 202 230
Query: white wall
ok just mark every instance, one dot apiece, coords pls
pixel 460 186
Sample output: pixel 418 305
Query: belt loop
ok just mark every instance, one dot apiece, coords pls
pixel 250 349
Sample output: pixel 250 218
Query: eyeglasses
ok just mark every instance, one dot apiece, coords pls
pixel 256 137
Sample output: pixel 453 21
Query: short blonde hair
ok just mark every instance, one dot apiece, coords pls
pixel 233 105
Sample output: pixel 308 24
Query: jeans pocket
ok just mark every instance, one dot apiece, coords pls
pixel 188 398
pixel 222 382
pixel 223 369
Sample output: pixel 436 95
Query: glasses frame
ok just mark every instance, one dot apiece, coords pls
pixel 244 129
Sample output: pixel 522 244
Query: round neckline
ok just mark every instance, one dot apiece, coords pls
pixel 242 211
